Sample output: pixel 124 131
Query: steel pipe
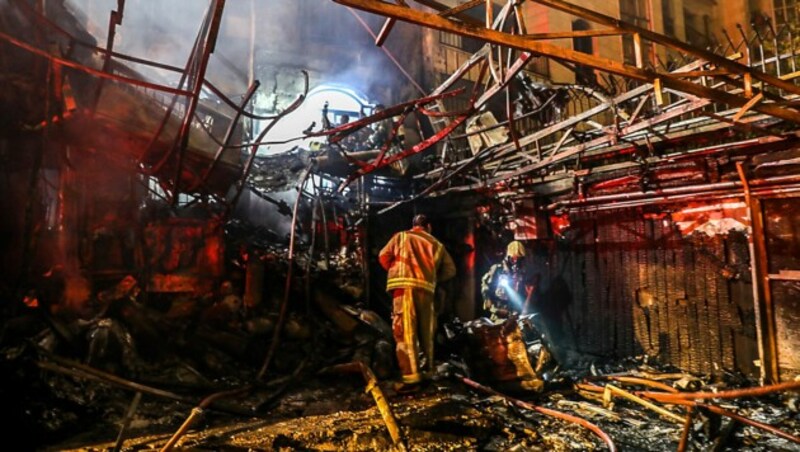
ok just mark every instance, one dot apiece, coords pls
pixel 700 188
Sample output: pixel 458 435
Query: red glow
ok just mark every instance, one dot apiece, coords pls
pixel 560 223
pixel 185 255
pixel 469 258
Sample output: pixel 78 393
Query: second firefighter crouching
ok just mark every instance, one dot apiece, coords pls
pixel 507 288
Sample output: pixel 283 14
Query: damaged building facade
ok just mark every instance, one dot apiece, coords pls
pixel 198 197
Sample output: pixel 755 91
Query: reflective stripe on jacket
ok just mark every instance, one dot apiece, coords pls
pixel 416 259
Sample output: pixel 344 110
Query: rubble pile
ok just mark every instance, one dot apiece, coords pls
pixel 336 414
pixel 85 384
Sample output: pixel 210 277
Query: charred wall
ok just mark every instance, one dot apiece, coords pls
pixel 782 233
pixel 623 285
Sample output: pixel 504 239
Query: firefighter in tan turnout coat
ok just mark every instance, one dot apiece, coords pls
pixel 416 262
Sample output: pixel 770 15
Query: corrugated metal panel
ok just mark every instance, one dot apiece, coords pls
pixel 638 286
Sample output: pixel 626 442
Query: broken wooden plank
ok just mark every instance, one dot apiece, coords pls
pixel 461 8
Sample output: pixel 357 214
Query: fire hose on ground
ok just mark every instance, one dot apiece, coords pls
pixel 692 400
pixel 553 413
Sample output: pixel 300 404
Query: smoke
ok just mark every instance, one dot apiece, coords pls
pixel 325 39
pixel 316 35
pixel 159 31
pixel 266 41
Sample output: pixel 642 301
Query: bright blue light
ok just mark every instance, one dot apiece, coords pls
pixel 516 299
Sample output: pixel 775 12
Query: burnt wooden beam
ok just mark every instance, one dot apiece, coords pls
pixel 501 82
pixel 576 34
pixel 692 103
pixel 387 27
pixel 603 64
pixel 745 127
pixel 461 8
pixel 670 42
pixel 572 120
pixel 577 149
pixel 648 125
pixel 385 30
pixel 773 143
pixel 762 294
pixel 547 131
pixel 440 7
pixel 710 73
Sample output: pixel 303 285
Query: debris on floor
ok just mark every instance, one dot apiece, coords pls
pixel 84 386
